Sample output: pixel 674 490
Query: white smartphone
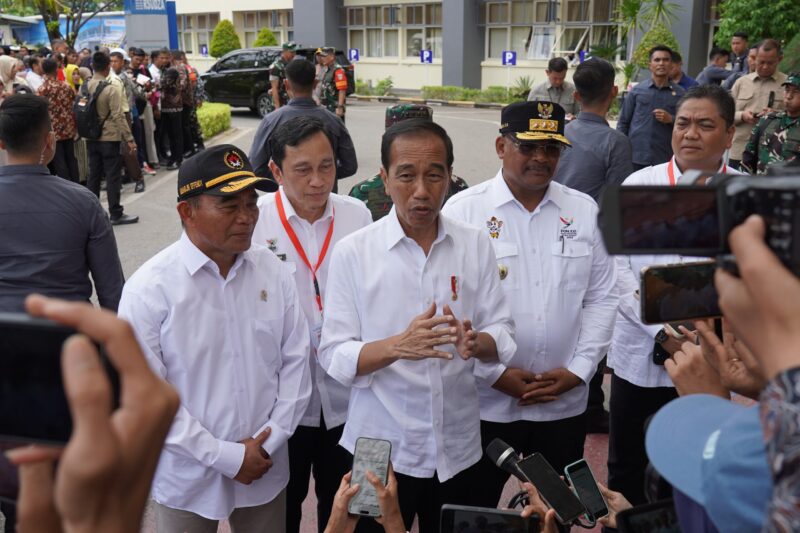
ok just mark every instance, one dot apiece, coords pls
pixel 583 483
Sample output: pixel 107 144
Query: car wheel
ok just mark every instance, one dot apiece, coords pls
pixel 264 104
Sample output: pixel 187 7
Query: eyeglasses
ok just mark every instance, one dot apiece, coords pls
pixel 549 149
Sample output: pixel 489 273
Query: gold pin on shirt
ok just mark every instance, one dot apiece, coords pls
pixel 263 295
pixel 503 269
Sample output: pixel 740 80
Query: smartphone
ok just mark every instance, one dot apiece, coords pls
pixel 33 404
pixel 678 293
pixel 657 517
pixel 463 519
pixel 555 493
pixel 372 455
pixel 582 480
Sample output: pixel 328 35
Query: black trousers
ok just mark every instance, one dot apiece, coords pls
pixel 105 161
pixel 314 450
pixel 596 397
pixel 560 441
pixel 423 498
pixel 173 129
pixel 186 124
pixel 64 163
pixel 137 128
pixel 630 408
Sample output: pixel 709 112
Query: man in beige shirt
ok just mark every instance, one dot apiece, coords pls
pixel 757 94
pixel 556 89
pixel 104 153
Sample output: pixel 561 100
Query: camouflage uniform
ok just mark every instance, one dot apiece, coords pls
pixel 775 139
pixel 277 71
pixel 333 81
pixel 371 191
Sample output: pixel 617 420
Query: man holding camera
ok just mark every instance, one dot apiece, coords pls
pixel 703 131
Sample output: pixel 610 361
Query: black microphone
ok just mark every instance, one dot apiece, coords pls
pixel 506 458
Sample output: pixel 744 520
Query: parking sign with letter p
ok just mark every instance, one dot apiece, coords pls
pixel 353 54
pixel 509 58
pixel 426 56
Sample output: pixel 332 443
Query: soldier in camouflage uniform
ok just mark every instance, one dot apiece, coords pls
pixel 372 191
pixel 334 82
pixel 776 137
pixel 277 74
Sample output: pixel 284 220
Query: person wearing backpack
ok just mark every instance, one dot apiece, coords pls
pixel 101 120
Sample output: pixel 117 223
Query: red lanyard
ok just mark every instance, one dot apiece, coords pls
pixel 671 171
pixel 299 247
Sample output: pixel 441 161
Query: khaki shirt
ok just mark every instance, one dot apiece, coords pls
pixel 751 93
pixel 563 96
pixel 118 84
pixel 109 107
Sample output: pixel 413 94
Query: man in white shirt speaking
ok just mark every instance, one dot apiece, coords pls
pixel 703 130
pixel 560 283
pixel 302 223
pixel 413 311
pixel 221 321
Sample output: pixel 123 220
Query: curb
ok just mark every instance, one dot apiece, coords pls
pixel 412 100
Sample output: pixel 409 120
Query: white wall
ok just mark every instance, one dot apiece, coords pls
pixel 405 73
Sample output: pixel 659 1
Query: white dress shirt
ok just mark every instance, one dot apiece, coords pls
pixel 631 353
pixel 379 280
pixel 236 350
pixel 562 294
pixel 328 396
pixel 155 72
pixel 34 80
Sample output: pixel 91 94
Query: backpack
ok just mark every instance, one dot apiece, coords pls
pixel 85 108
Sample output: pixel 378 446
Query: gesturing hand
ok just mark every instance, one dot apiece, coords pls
pixel 421 337
pixel 737 367
pixel 561 380
pixel 466 338
pixel 104 474
pixel 691 374
pixel 257 461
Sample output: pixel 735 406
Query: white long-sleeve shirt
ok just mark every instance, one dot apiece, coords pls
pixel 236 350
pixel 328 396
pixel 379 280
pixel 631 353
pixel 561 292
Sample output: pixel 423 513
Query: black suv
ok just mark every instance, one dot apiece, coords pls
pixel 241 78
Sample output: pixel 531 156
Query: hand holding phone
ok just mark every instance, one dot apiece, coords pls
pixel 552 488
pixel 369 455
pixel 582 480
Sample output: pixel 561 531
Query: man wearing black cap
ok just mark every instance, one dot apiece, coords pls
pixel 334 82
pixel 277 74
pixel 221 321
pixel 560 284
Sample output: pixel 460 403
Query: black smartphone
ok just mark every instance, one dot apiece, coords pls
pixel 657 517
pixel 678 293
pixel 643 219
pixel 585 486
pixel 463 519
pixel 372 455
pixel 555 493
pixel 33 405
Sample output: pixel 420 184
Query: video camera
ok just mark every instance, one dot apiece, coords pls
pixel 695 220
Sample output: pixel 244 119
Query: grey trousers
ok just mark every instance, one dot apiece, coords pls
pixel 267 518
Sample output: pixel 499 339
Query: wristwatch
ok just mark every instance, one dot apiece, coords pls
pixel 662 336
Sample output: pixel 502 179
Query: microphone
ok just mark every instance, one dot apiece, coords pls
pixel 505 458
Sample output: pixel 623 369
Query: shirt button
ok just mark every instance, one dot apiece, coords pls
pixel 540 318
pixel 537 283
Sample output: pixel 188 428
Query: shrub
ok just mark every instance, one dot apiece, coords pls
pixel 265 38
pixel 658 34
pixel 384 86
pixel 363 88
pixel 224 39
pixel 213 118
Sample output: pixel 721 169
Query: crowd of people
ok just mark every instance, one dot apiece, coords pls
pixel 147 118
pixel 279 328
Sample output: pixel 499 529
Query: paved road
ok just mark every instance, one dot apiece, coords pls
pixel 473 132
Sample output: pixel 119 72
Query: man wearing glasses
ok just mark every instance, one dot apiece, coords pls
pixel 559 281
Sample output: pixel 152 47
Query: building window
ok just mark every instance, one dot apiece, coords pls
pixel 534 28
pixel 194 31
pixel 249 23
pixel 373 30
pixel 426 33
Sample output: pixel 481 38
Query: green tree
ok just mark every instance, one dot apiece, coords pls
pixel 76 14
pixel 266 38
pixel 778 19
pixel 791 56
pixel 658 34
pixel 224 39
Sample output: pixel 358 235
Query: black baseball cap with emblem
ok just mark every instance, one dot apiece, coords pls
pixel 534 121
pixel 221 170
